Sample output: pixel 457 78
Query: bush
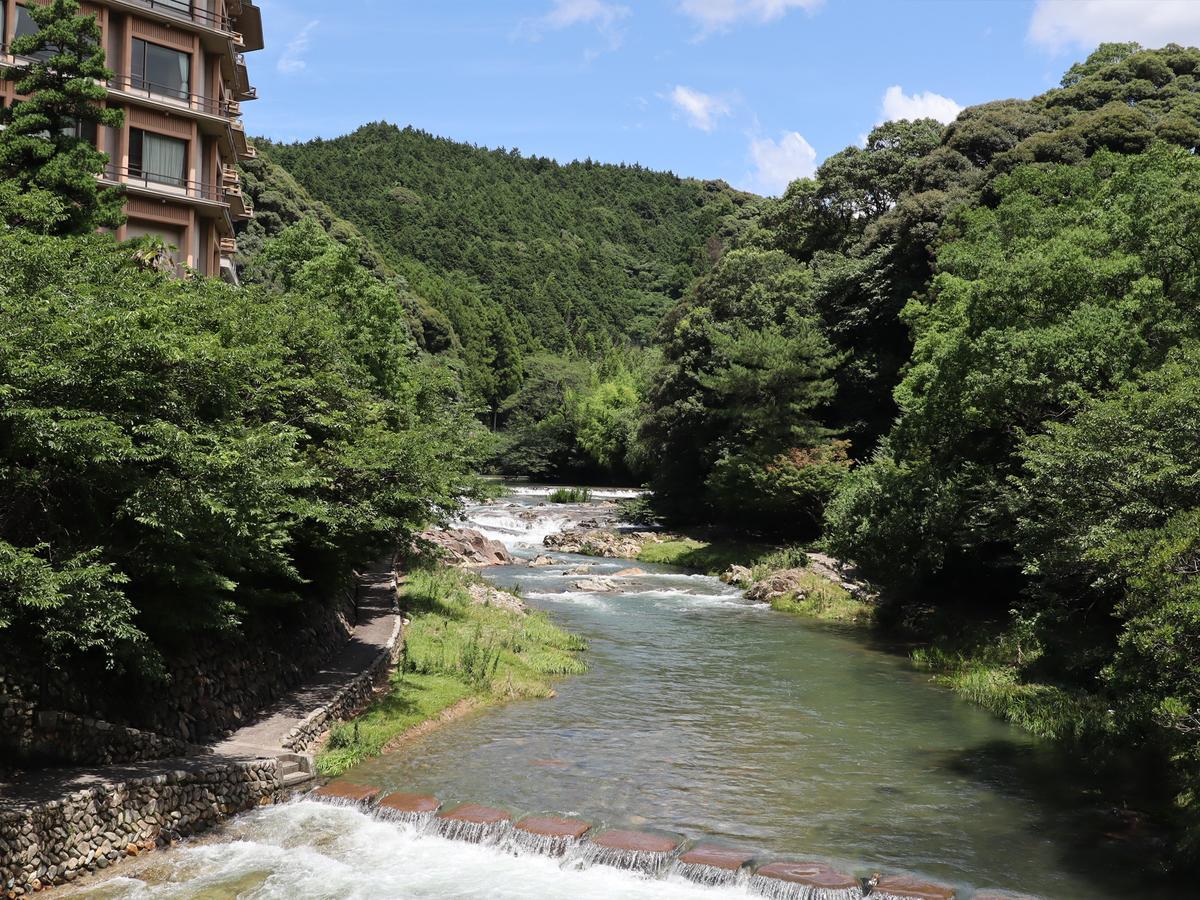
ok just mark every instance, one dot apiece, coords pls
pixel 571 495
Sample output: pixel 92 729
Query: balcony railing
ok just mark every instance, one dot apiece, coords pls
pixel 167 185
pixel 130 84
pixel 184 10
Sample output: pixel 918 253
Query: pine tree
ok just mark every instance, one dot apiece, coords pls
pixel 48 172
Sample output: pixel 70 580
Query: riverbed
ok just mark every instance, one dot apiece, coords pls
pixel 702 714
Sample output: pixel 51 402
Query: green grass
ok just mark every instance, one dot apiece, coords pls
pixel 1045 710
pixel 823 600
pixel 709 557
pixel 827 601
pixel 454 650
pixel 571 495
pixel 413 699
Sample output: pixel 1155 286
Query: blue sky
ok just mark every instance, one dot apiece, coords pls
pixel 752 91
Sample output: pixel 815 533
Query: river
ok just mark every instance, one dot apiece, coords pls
pixel 702 714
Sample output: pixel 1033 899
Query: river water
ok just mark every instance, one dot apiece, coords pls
pixel 705 715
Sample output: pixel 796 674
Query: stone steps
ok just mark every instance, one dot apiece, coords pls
pixel 295 768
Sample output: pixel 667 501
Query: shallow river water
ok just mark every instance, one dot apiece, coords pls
pixel 705 715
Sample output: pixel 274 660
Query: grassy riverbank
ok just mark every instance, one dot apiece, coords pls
pixel 456 651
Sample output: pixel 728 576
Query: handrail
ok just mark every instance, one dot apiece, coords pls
pixel 130 84
pixel 166 184
pixel 182 10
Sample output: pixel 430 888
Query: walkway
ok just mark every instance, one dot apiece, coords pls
pixel 262 738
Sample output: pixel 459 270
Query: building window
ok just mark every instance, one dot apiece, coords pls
pixel 84 130
pixel 157 158
pixel 161 70
pixel 26 26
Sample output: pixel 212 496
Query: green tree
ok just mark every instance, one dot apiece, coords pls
pixel 746 372
pixel 48 169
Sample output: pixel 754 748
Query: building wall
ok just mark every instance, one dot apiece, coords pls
pixel 191 216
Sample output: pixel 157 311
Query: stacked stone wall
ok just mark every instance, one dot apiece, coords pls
pixel 214 688
pixel 57 841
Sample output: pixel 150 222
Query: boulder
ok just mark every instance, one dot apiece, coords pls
pixel 596 585
pixel 737 575
pixel 629 573
pixel 779 584
pixel 467 548
pixel 541 561
pixel 485 595
pixel 596 542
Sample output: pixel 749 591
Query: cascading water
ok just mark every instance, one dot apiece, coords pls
pixel 472 832
pixel 645 861
pixel 543 844
pixel 774 889
pixel 707 875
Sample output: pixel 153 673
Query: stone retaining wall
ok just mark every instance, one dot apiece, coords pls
pixel 213 689
pixel 351 699
pixel 57 841
pixel 65 738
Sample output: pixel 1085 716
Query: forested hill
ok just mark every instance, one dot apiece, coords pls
pixel 571 254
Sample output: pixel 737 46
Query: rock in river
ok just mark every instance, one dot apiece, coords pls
pixel 597 585
pixel 467 548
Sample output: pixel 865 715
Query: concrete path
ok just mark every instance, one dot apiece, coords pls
pixel 261 738
pixel 376 622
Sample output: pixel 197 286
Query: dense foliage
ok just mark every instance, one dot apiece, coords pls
pixel 180 457
pixel 998 322
pixel 518 255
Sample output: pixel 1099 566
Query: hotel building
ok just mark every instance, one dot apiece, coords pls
pixel 180 77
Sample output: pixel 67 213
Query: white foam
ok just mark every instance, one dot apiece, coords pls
pixel 513 531
pixel 597 493
pixel 309 850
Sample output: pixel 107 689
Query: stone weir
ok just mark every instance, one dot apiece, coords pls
pixel 653 855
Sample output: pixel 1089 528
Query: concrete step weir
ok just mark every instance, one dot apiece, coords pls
pixel 637 851
pixel 652 854
pixel 550 835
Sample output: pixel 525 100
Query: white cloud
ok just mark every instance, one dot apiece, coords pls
pixel 605 17
pixel 715 15
pixel 292 61
pixel 1058 24
pixel 925 105
pixel 702 110
pixel 778 163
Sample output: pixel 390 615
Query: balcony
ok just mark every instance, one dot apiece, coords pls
pixel 165 187
pixel 240 206
pixel 182 9
pixel 228 246
pixel 169 97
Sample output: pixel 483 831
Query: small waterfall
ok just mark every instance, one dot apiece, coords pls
pixel 472 832
pixel 344 793
pixel 473 824
pixel 633 851
pixel 805 881
pixel 778 889
pixel 417 819
pixel 543 844
pixel 712 876
pixel 549 835
pixel 417 810
pixel 649 862
pixel 713 865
